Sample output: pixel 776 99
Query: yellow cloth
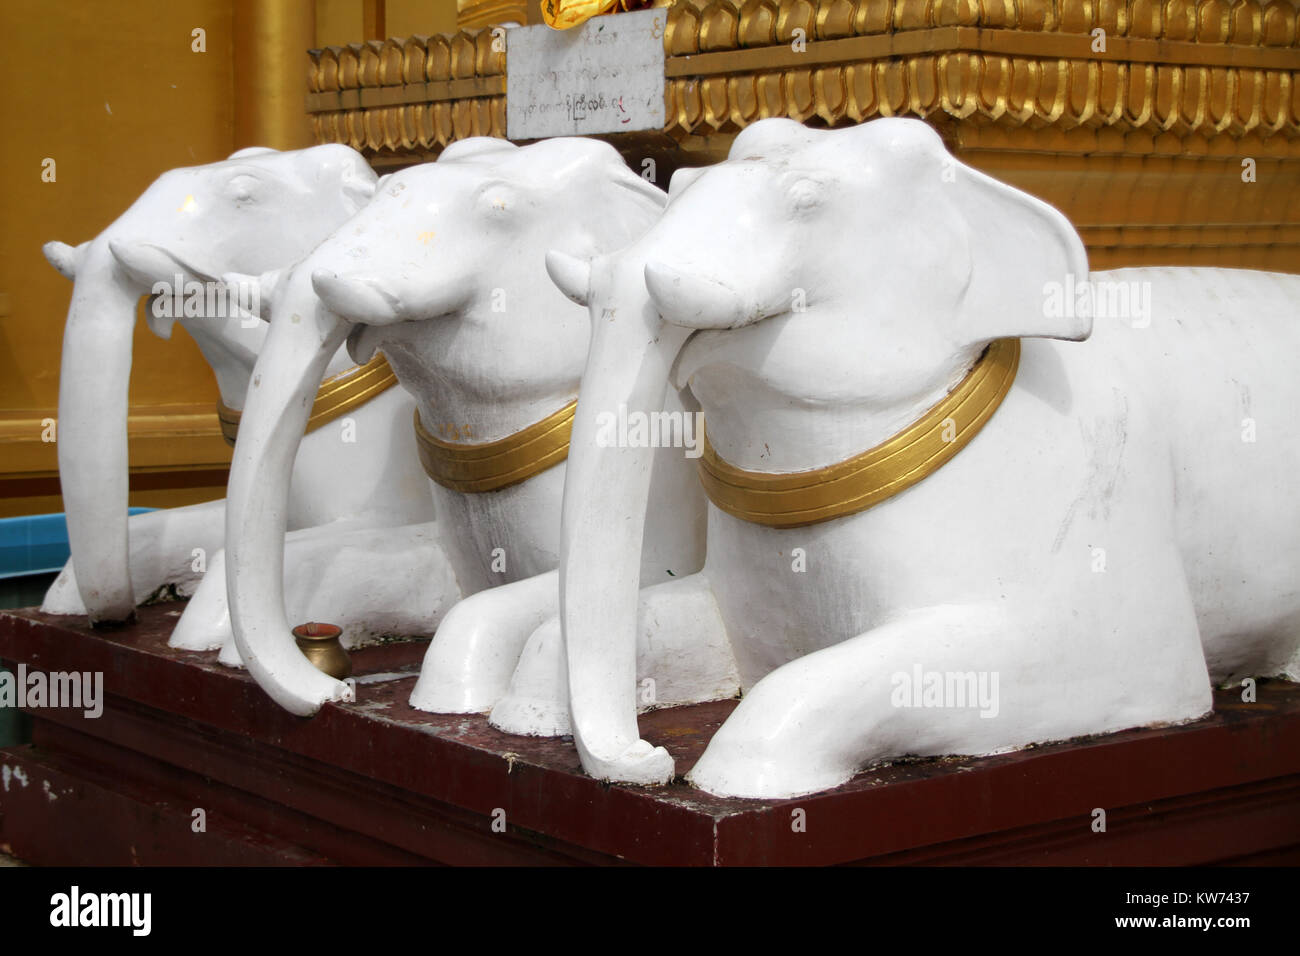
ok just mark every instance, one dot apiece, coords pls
pixel 564 14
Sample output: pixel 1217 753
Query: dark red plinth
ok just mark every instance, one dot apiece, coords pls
pixel 378 782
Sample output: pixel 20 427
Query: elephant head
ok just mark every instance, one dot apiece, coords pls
pixel 445 270
pixel 817 269
pixel 258 208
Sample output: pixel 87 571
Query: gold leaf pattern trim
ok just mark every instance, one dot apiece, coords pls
pixel 1193 69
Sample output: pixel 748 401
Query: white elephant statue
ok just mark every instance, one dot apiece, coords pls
pixel 257 209
pixel 942 460
pixel 444 272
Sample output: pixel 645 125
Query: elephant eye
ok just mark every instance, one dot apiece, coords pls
pixel 496 200
pixel 244 188
pixel 805 195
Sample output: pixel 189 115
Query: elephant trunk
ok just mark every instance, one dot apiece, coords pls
pixel 605 496
pixel 288 372
pixel 92 433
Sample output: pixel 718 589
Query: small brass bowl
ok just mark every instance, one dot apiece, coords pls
pixel 320 644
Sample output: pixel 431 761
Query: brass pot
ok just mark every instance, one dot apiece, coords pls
pixel 320 644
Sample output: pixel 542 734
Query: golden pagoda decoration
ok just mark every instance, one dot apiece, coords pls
pixel 1167 130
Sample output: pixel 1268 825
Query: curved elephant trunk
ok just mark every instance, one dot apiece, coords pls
pixel 92 434
pixel 288 373
pixel 605 496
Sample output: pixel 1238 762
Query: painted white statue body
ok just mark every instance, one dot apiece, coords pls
pixel 1123 518
pixel 444 271
pixel 258 209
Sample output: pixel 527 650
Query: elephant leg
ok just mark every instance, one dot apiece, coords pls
pixel 950 680
pixel 468 665
pixel 169 547
pixel 205 623
pixel 371 582
pixel 683 657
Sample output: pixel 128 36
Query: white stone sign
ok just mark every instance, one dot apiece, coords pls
pixel 606 76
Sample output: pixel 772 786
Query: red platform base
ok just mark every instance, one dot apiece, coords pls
pixel 376 782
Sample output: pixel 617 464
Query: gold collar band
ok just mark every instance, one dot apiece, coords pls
pixel 855 484
pixel 338 395
pixel 497 464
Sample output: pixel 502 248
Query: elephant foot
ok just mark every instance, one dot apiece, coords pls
pixel 468 665
pixel 683 657
pixel 641 763
pixel 62 596
pixel 229 656
pixel 763 780
pixel 537 703
pixel 205 623
pixel 200 632
pixel 531 716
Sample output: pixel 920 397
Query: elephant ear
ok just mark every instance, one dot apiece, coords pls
pixel 616 206
pixel 64 258
pixel 1021 249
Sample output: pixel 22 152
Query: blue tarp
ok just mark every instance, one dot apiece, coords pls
pixel 35 544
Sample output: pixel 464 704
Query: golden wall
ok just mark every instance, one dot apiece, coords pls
pixel 114 93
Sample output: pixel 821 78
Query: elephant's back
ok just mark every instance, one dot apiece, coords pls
pixel 1217 362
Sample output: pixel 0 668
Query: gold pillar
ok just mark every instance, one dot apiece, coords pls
pixel 373 20
pixel 271 38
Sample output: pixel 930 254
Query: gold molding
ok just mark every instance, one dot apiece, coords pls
pixel 368 95
pixel 494 465
pixel 971 40
pixel 160 437
pixel 433 92
pixel 799 499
